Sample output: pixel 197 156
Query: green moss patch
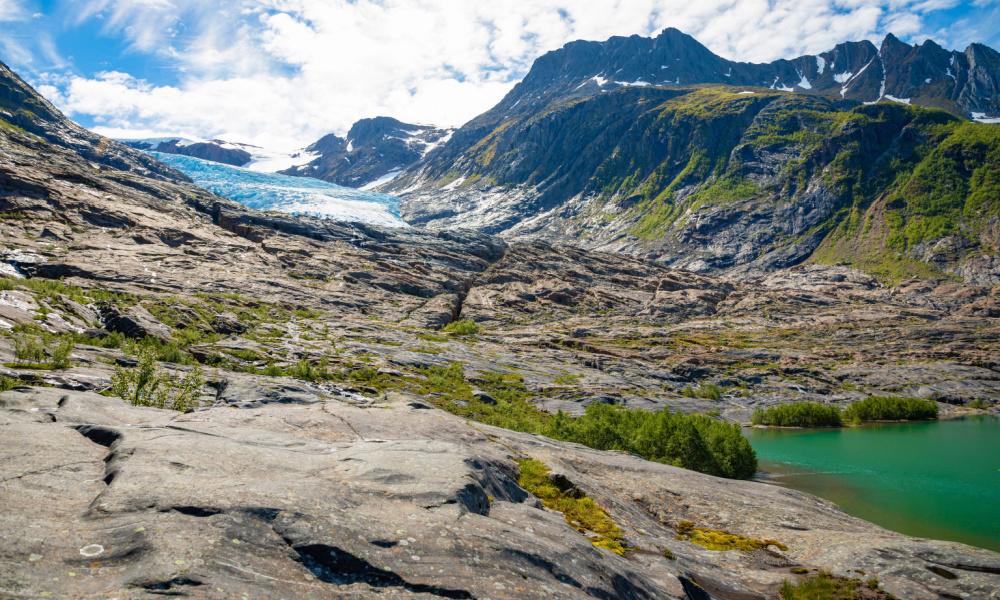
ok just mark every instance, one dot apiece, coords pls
pixel 716 539
pixel 824 586
pixel 580 511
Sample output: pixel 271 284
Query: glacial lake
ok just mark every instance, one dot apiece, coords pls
pixel 935 479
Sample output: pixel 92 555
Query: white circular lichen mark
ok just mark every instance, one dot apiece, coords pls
pixel 92 550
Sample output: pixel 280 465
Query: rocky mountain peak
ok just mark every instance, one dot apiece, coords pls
pixel 374 150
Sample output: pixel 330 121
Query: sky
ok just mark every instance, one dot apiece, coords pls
pixel 281 73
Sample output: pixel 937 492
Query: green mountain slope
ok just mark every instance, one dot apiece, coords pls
pixel 718 177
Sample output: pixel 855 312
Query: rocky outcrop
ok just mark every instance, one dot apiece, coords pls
pixel 331 495
pixel 22 108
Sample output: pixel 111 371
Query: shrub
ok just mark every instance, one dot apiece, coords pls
pixel 62 353
pixel 28 349
pixel 8 383
pixel 798 414
pixel 890 408
pixel 690 441
pixel 693 442
pixel 462 327
pixel 580 511
pixel 147 385
pixel 708 391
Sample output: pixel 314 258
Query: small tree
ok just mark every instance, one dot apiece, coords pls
pixel 148 385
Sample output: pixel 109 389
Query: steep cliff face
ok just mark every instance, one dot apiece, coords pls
pixel 749 176
pixel 23 109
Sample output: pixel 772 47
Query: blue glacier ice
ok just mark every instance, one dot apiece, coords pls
pixel 297 195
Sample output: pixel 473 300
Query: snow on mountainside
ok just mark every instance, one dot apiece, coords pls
pixel 249 156
pixel 297 195
pixel 373 153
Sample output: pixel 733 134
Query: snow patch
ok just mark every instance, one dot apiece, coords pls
pixel 820 65
pixel 842 77
pixel 928 80
pixel 454 184
pixel 744 92
pixel 272 162
pixel 804 83
pixel 383 179
pixel 636 83
pixel 979 117
pixel 600 81
pixel 895 99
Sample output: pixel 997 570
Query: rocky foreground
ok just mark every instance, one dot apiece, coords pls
pixel 315 458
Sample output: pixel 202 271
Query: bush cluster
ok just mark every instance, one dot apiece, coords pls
pixel 148 385
pixel 890 408
pixel 873 408
pixel 694 442
pixel 798 414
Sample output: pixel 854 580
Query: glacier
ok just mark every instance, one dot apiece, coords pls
pixel 296 195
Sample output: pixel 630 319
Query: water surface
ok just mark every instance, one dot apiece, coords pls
pixel 935 479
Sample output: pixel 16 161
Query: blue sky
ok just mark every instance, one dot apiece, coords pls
pixel 283 72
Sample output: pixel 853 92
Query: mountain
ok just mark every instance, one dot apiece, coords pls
pixel 203 399
pixel 659 148
pixel 218 151
pixel 234 154
pixel 310 422
pixel 374 151
pixel 24 110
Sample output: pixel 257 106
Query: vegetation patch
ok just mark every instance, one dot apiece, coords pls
pixel 148 385
pixel 32 351
pixel 890 408
pixel 798 414
pixel 694 442
pixel 825 586
pixel 462 327
pixel 579 510
pixel 716 539
pixel 708 391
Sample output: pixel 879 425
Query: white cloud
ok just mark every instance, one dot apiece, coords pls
pixel 13 11
pixel 283 72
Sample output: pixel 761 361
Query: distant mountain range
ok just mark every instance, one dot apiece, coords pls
pixel 374 151
pixel 658 147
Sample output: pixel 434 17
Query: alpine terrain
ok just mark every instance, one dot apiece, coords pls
pixel 536 387
pixel 863 155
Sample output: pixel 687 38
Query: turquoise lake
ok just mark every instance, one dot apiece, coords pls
pixel 936 479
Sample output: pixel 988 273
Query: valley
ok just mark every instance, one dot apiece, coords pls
pixel 534 376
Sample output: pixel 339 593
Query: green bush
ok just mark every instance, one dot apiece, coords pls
pixel 462 327
pixel 148 385
pixel 690 441
pixel 29 349
pixel 61 354
pixel 708 391
pixel 798 414
pixel 890 408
